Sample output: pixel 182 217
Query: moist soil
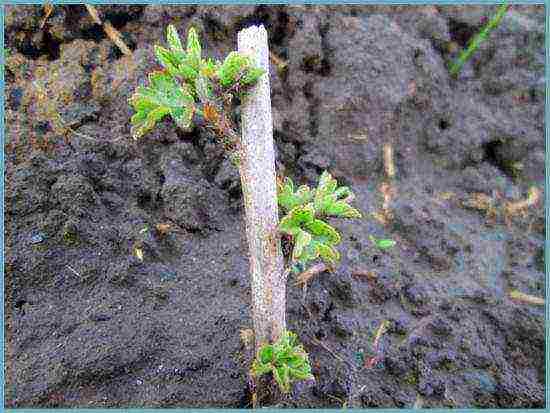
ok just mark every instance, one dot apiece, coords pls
pixel 105 308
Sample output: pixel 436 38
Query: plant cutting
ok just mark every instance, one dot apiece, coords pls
pixel 190 86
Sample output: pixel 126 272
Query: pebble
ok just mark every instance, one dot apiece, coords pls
pixel 37 238
pixel 167 276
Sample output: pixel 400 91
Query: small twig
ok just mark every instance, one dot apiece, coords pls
pixel 364 273
pixel 252 388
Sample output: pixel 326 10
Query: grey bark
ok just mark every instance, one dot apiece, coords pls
pixel 257 170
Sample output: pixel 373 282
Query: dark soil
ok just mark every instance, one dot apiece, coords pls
pixel 89 324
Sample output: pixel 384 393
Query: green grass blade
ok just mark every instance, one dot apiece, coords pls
pixel 477 40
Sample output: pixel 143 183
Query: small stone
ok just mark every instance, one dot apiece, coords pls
pixel 37 238
pixel 167 276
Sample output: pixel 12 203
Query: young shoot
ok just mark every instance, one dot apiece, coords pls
pixel 285 359
pixel 190 86
pixel 305 220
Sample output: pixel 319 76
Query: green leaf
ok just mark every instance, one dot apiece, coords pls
pixel 173 39
pixel 299 215
pixel 163 96
pixel 288 199
pixel 289 363
pixel 328 254
pixel 233 65
pixel 289 185
pixel 382 243
pixel 332 201
pixel 266 354
pixel 343 192
pixel 188 72
pixel 323 232
pixel 285 195
pixel 301 241
pixel 282 377
pixel 300 374
pixel 292 338
pixel 252 75
pixel 167 60
pixel 296 361
pixel 259 369
pixel 203 87
pixel 341 209
pixel 310 253
pixel 183 116
pixel 193 49
pixel 327 185
pixel 322 203
pixel 209 68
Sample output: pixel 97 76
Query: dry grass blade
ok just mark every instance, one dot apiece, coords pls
pixel 48 9
pixel 389 165
pixel 93 14
pixel 247 337
pixel 307 275
pixel 281 64
pixel 526 298
pixel 110 31
pixel 116 38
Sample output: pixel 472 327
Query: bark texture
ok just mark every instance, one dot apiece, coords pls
pixel 257 170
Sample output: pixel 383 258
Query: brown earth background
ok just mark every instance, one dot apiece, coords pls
pixel 89 324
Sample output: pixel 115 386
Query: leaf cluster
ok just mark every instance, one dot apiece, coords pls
pixel 189 85
pixel 286 359
pixel 306 211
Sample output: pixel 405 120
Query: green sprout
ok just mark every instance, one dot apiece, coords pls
pixel 473 45
pixel 286 359
pixel 306 211
pixel 190 85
